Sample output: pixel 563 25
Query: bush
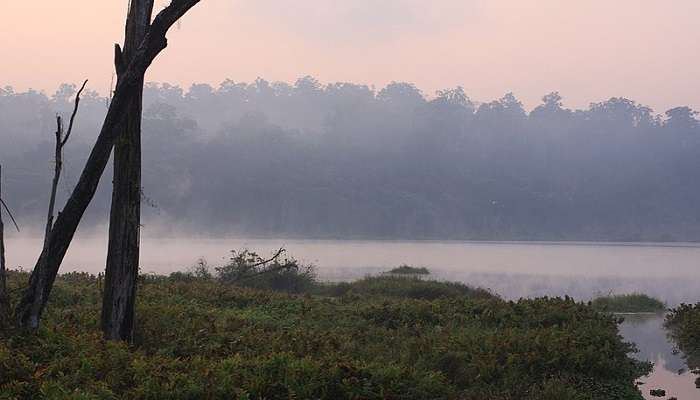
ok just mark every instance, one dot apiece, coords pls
pixel 248 269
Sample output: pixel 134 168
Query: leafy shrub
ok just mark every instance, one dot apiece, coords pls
pixel 628 303
pixel 246 268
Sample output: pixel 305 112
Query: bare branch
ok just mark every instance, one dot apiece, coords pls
pixel 72 116
pixel 265 262
pixel 10 214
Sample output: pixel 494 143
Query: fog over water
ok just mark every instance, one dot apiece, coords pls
pixel 512 270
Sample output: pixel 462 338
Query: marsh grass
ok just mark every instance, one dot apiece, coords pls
pixel 377 338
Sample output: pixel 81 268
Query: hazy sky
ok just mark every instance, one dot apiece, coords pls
pixel 589 50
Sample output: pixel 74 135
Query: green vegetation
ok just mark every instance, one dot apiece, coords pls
pixel 409 270
pixel 684 324
pixel 403 287
pixel 628 303
pixel 378 338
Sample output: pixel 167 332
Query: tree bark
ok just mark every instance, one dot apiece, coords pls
pixel 4 297
pixel 41 281
pixel 125 216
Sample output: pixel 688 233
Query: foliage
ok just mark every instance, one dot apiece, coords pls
pixel 408 287
pixel 248 269
pixel 684 324
pixel 409 270
pixel 205 339
pixel 628 303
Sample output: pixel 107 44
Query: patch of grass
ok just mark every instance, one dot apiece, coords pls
pixel 384 338
pixel 628 303
pixel 408 270
pixel 406 287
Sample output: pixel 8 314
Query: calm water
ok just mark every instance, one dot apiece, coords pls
pixel 513 270
pixel 670 369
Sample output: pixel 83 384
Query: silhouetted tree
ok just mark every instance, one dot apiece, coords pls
pixel 128 85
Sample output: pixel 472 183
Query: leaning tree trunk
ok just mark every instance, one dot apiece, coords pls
pixel 125 216
pixel 41 281
pixel 4 297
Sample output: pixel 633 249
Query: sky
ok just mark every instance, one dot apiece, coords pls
pixel 588 50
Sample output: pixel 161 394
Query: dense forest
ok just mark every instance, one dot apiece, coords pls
pixel 350 161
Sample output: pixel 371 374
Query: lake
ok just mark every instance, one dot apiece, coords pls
pixel 670 272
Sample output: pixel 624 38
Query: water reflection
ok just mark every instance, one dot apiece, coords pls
pixel 654 344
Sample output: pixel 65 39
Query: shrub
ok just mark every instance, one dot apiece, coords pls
pixel 248 269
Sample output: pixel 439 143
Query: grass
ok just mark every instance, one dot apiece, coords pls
pixel 377 338
pixel 628 303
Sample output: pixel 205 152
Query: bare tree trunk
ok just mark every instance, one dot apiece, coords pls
pixel 4 297
pixel 125 216
pixel 34 298
pixel 58 167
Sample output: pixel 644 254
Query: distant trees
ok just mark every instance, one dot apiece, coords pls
pixel 346 160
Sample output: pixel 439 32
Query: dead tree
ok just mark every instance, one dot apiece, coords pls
pixel 4 295
pixel 122 266
pixel 61 140
pixel 41 281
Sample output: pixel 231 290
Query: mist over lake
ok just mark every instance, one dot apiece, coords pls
pixel 510 269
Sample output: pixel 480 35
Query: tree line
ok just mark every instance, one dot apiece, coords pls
pixel 345 160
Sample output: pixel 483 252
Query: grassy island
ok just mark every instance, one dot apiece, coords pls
pixel 629 303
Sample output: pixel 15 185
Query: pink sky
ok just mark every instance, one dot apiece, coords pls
pixel 589 50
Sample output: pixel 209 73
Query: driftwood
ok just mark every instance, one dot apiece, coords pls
pixel 122 265
pixel 131 73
